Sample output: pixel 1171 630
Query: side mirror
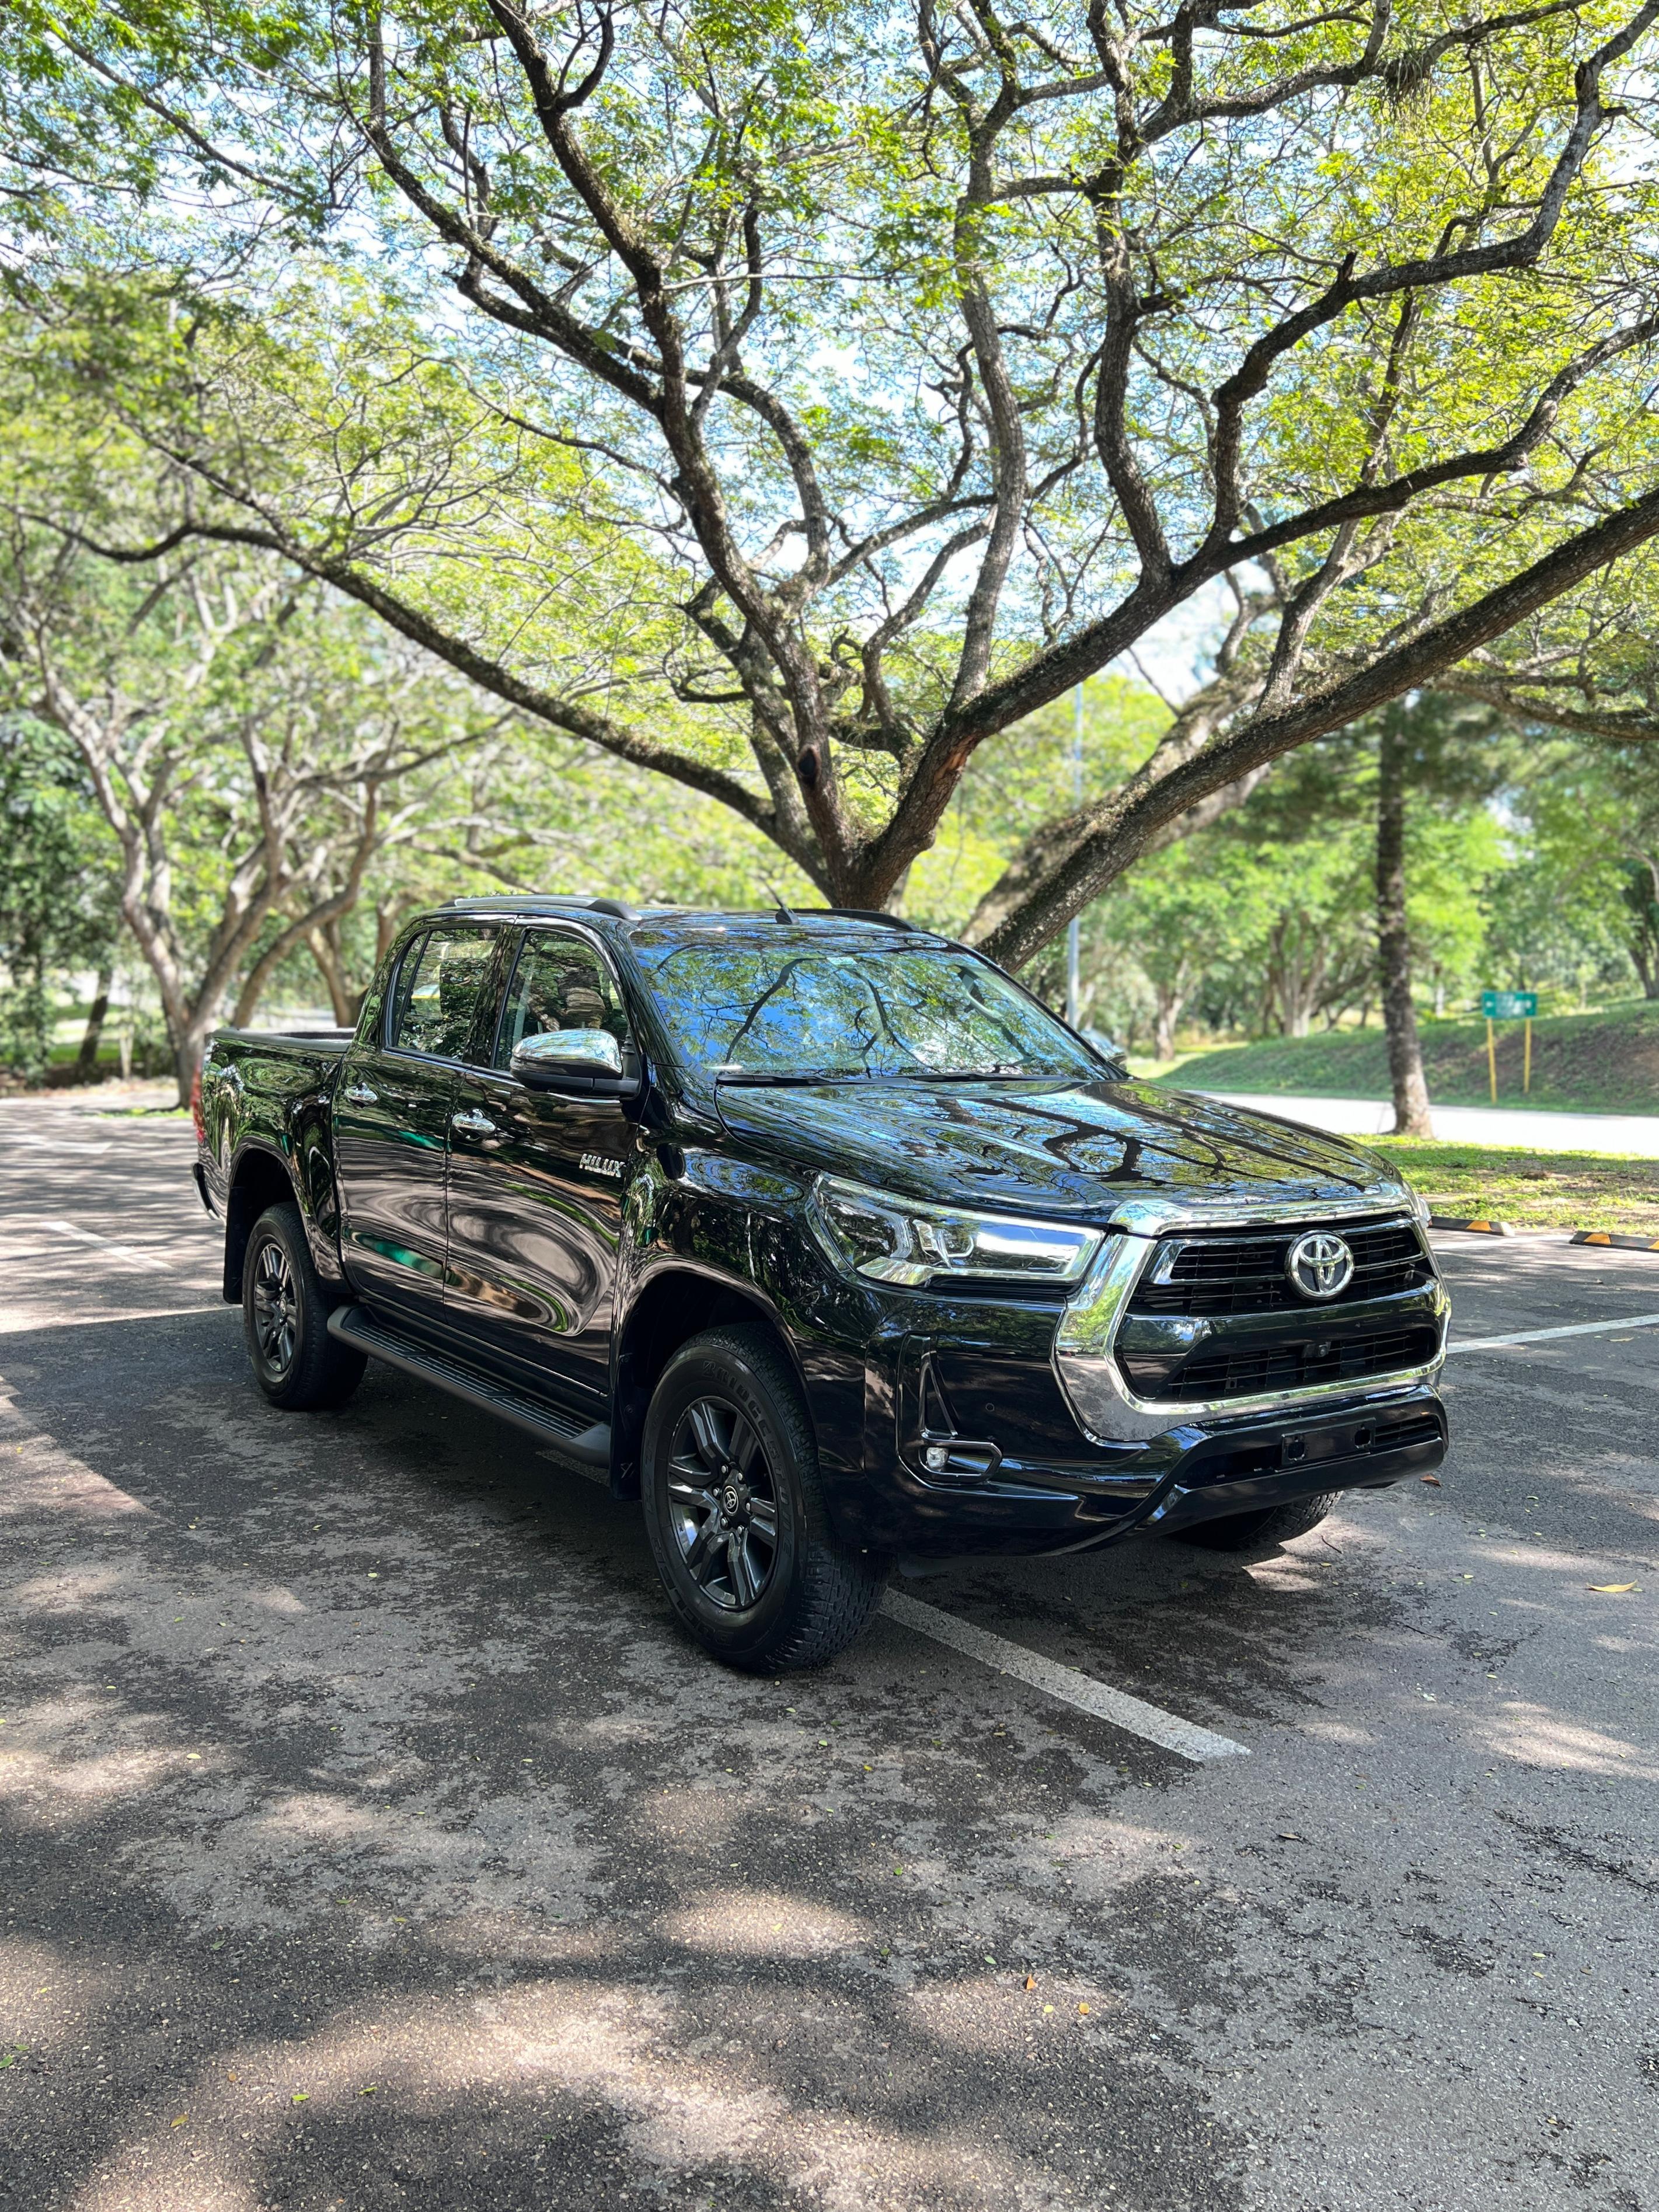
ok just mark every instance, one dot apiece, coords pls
pixel 558 1056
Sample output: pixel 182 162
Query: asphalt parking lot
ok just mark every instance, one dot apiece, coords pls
pixel 372 1839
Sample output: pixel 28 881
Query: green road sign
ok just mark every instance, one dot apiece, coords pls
pixel 1509 1006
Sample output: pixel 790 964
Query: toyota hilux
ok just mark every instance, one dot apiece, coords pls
pixel 821 1237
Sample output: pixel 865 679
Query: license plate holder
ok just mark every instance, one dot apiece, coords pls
pixel 1333 1440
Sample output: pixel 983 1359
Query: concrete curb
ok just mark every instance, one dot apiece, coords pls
pixel 1609 1239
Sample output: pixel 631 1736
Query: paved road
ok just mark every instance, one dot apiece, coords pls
pixel 1537 1131
pixel 372 1840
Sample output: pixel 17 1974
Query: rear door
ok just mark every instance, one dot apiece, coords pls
pixel 392 1105
pixel 536 1187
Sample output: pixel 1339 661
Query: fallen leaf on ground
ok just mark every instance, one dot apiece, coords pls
pixel 1031 1981
pixel 182 2118
pixel 1611 1589
pixel 1434 1482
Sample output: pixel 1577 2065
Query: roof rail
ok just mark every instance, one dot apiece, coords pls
pixel 516 901
pixel 868 914
pixel 541 903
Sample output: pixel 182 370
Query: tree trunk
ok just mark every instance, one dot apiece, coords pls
pixel 325 945
pixel 188 1049
pixel 1411 1092
pixel 1169 1003
pixel 86 1061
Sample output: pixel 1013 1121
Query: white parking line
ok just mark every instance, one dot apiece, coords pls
pixel 1538 1335
pixel 124 1253
pixel 24 1320
pixel 51 1144
pixel 1167 1730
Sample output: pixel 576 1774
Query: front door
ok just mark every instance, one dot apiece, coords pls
pixel 391 1111
pixel 536 1188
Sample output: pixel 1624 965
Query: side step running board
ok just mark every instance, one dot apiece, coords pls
pixel 586 1450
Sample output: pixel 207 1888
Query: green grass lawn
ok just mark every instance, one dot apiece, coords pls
pixel 1598 1063
pixel 1533 1190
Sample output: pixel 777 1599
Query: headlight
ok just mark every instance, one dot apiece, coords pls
pixel 897 1241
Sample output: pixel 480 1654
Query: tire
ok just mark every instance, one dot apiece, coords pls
pixel 1268 1526
pixel 735 1512
pixel 295 1362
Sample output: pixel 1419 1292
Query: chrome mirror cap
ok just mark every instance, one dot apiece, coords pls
pixel 555 1053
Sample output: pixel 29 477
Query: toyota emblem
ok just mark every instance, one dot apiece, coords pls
pixel 1319 1265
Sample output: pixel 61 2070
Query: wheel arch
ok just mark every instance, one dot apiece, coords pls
pixel 261 1177
pixel 675 1303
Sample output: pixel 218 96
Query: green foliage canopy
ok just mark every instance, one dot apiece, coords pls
pixel 922 362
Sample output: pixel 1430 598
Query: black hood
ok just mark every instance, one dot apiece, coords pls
pixel 1061 1148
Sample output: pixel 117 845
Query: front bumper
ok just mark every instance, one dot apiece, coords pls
pixel 993 1425
pixel 1082 1498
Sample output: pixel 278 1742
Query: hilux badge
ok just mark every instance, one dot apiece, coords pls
pixel 1319 1265
pixel 602 1163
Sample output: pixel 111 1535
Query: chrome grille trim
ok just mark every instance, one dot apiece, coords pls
pixel 1086 1366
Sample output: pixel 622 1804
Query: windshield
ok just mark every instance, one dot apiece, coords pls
pixel 790 1011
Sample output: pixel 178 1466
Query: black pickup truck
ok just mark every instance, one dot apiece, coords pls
pixel 819 1235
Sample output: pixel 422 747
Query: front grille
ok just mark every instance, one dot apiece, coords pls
pixel 1211 1273
pixel 1295 1364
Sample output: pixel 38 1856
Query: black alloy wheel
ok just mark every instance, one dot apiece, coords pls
pixel 295 1362
pixel 723 1503
pixel 735 1510
pixel 275 1312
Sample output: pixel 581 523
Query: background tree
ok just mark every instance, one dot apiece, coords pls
pixel 923 362
pixel 58 885
pixel 1570 913
pixel 249 759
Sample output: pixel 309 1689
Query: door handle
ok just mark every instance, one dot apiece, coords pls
pixel 476 1125
pixel 360 1095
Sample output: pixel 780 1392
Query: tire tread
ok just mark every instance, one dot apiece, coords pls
pixel 1268 1526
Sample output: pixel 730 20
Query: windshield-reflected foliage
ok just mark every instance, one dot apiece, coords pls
pixel 792 1008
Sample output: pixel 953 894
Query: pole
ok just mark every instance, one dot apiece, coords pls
pixel 1074 927
pixel 1526 1079
pixel 1491 1061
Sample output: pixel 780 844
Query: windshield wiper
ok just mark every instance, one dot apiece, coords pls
pixel 970 1074
pixel 763 1082
pixel 758 1079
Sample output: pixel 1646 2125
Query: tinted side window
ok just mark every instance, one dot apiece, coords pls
pixel 560 984
pixel 439 988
